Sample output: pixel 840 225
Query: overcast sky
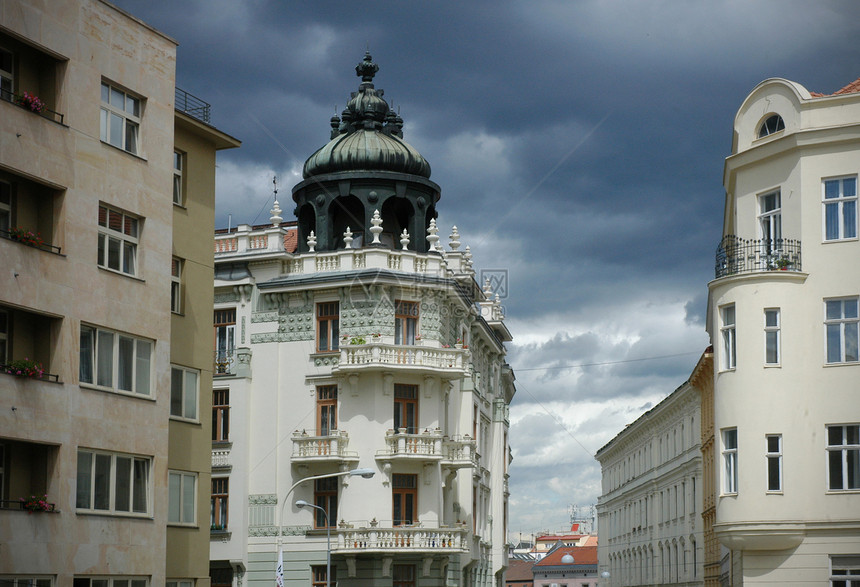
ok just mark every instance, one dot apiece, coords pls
pixel 578 144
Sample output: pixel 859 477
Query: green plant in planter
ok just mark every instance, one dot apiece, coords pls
pixel 357 340
pixel 24 368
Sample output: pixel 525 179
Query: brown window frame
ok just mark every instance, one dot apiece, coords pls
pixel 325 496
pixel 403 575
pixel 405 396
pixel 220 415
pixel 406 315
pixel 318 575
pixel 220 500
pixel 328 323
pixel 404 486
pixel 326 409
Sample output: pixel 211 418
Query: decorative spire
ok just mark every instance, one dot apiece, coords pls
pixel 432 236
pixel 312 242
pixel 276 217
pixel 468 256
pixel 404 239
pixel 347 238
pixel 376 221
pixel 367 68
pixel 455 238
pixel 488 288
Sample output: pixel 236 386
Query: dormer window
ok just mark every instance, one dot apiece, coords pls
pixel 772 124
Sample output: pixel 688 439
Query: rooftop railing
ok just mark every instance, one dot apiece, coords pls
pixel 192 105
pixel 737 255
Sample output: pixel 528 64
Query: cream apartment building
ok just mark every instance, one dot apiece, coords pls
pixel 783 319
pixel 106 197
pixel 353 340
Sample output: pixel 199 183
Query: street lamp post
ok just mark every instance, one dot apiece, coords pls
pixel 302 503
pixel 364 473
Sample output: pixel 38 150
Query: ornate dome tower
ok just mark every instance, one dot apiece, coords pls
pixel 366 166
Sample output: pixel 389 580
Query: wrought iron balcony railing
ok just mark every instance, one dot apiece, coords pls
pixel 737 255
pixel 44 111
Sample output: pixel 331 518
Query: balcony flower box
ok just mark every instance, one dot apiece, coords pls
pixel 24 368
pixel 37 504
pixel 27 237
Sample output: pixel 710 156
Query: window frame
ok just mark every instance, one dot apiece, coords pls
pixel 127 261
pixel 7 90
pixel 184 397
pixel 219 506
pixel 111 581
pixel 404 575
pixel 95 367
pixel 319 573
pixel 840 202
pixel 728 334
pixel 765 129
pixel 844 324
pixel 773 459
pixel 6 221
pixel 846 448
pixel 844 569
pixel 404 486
pixel 326 497
pixel 407 314
pixel 326 409
pixel 178 502
pixel 111 497
pixel 176 290
pixel 328 326
pixel 406 408
pixel 729 474
pixel 5 337
pixel 22 580
pixel 770 222
pixel 221 415
pixel 179 163
pixel 225 339
pixel 130 120
pixel 772 338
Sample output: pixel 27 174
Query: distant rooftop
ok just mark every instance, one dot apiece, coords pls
pixel 851 88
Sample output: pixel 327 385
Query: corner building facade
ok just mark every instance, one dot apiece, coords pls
pixel 783 319
pixel 353 339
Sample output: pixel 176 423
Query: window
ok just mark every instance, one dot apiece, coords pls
pixel 840 208
pixel 121 581
pixel 770 222
pixel 326 409
pixel 730 460
pixel 328 321
pixel 404 490
pixel 118 234
pixel 113 483
pixel 845 571
pixel 4 339
pixel 25 581
pixel 220 500
pixel 406 408
pixel 319 575
pixel 225 334
pixel 325 496
pixel 120 118
pixel 182 496
pixel 774 123
pixel 405 322
pixel 727 330
pixel 404 576
pixel 843 457
pixel 178 168
pixel 7 86
pixel 771 336
pixel 176 285
pixel 183 393
pixel 774 462
pixel 841 325
pixel 5 207
pixel 179 583
pixel 115 361
pixel 221 415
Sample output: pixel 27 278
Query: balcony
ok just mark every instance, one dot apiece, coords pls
pixel 737 255
pixel 457 452
pixel 192 105
pixel 31 217
pixel 221 456
pixel 322 449
pixel 448 363
pixel 25 341
pixel 224 363
pixel 411 540
pixel 35 72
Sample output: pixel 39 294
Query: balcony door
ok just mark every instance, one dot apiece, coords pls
pixel 225 336
pixel 406 408
pixel 326 409
pixel 404 489
pixel 770 222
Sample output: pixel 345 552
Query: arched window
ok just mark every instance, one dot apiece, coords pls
pixel 772 124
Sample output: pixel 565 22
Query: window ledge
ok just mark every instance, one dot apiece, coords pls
pixel 187 525
pixel 121 274
pixel 222 444
pixel 852 239
pixel 843 364
pixel 118 392
pixel 842 491
pixel 147 516
pixel 129 153
pixel 220 535
pixel 185 420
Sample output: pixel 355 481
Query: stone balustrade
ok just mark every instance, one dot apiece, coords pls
pixel 377 354
pixel 401 540
pixel 221 458
pixel 322 448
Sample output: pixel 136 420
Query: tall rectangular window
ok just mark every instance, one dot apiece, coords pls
pixel 319 576
pixel 730 460
pixel 120 118
pixel 112 483
pixel 118 238
pixel 403 576
pixel 178 170
pixel 219 502
pixel 774 462
pixel 5 208
pixel 181 497
pixel 841 323
pixel 7 77
pixel 4 338
pixel 183 393
pixel 115 361
pixel 328 326
pixel 840 208
pixel 405 322
pixel 406 408
pixel 225 334
pixel 326 409
pixel 771 336
pixel 325 496
pixel 770 222
pixel 176 285
pixel 404 493
pixel 221 415
pixel 843 457
pixel 727 331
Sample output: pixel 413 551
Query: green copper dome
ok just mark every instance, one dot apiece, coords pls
pixel 367 137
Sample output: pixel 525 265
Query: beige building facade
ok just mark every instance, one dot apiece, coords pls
pixel 104 442
pixel 783 319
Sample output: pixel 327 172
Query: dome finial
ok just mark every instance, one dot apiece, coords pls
pixel 367 68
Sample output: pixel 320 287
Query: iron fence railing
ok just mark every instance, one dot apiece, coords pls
pixel 16 504
pixel 29 240
pixel 45 112
pixel 192 105
pixel 737 255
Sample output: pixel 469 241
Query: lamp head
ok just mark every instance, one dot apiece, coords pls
pixel 364 473
pixel 302 503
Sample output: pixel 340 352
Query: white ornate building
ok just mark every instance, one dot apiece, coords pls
pixel 354 339
pixel 785 334
pixel 650 511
